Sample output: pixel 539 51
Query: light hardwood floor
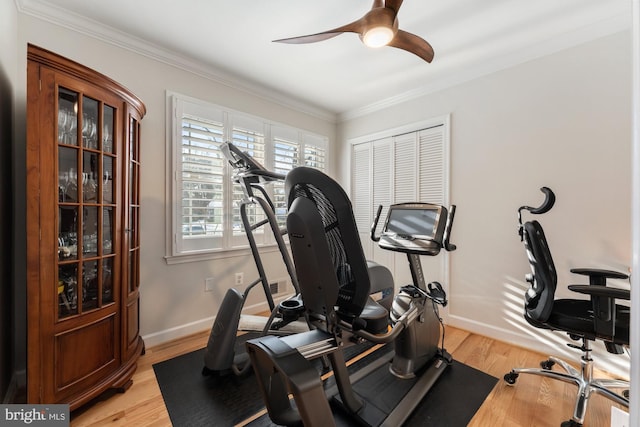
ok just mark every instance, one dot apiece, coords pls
pixel 533 401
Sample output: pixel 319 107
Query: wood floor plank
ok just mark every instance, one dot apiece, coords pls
pixel 532 402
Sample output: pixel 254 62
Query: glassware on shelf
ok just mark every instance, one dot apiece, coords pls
pixel 107 179
pixel 67 289
pixel 107 231
pixel 107 129
pixel 107 281
pixel 67 117
pixel 89 132
pixel 90 177
pixel 67 233
pixel 89 285
pixel 89 123
pixel 67 125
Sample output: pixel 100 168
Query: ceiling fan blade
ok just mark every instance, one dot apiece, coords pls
pixel 393 5
pixel 414 44
pixel 353 27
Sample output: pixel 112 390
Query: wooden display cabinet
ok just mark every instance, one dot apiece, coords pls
pixel 83 238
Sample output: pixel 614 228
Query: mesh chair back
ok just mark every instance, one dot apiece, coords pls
pixel 336 244
pixel 539 297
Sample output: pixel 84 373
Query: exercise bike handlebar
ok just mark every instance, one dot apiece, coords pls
pixel 402 322
pixel 375 225
pixel 445 244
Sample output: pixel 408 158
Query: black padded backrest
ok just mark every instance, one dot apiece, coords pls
pixel 539 297
pixel 338 245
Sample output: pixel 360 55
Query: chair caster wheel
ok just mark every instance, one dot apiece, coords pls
pixel 625 393
pixel 570 423
pixel 547 364
pixel 511 378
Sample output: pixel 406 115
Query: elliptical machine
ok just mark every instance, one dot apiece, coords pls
pixel 332 275
pixel 288 316
pixel 220 354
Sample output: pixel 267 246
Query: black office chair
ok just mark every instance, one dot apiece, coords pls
pixel 586 320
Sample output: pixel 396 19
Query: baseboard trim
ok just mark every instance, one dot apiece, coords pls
pixel 547 343
pixel 161 337
pixel 542 341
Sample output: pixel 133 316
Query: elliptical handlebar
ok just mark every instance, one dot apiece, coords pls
pixel 246 166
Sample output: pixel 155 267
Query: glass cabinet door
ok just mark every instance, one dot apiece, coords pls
pixel 87 180
pixel 133 219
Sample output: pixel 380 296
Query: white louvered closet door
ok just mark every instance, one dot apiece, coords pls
pixel 382 187
pixel 410 167
pixel 431 165
pixel 433 184
pixel 405 187
pixel 361 190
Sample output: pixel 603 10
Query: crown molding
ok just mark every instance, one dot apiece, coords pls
pixel 72 21
pixel 616 24
pixel 75 22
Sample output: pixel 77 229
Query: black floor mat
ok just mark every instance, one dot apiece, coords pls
pixel 194 400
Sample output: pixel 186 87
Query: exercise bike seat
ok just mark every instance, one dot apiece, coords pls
pixel 381 280
pixel 374 318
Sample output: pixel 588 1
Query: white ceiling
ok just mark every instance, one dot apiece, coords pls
pixel 232 41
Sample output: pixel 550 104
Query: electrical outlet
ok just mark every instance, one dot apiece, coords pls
pixel 239 278
pixel 208 284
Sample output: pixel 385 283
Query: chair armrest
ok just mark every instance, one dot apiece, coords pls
pixel 599 276
pixel 602 291
pixel 603 300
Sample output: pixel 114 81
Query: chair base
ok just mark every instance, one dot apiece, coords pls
pixel 583 379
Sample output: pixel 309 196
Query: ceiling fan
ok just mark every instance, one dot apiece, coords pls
pixel 379 27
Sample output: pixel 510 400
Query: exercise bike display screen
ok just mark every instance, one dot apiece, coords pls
pixel 414 228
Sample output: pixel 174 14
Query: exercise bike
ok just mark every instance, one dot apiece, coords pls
pixel 287 317
pixel 334 285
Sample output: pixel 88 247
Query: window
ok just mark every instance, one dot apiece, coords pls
pixel 205 217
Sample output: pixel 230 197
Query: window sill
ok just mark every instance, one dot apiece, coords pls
pixel 214 255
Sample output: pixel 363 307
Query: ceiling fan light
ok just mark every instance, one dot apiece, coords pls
pixel 377 36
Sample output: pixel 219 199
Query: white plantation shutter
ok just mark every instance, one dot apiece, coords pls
pixel 314 152
pixel 248 135
pixel 204 212
pixel 292 149
pixel 201 183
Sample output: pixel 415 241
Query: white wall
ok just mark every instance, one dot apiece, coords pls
pixel 172 296
pixel 563 121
